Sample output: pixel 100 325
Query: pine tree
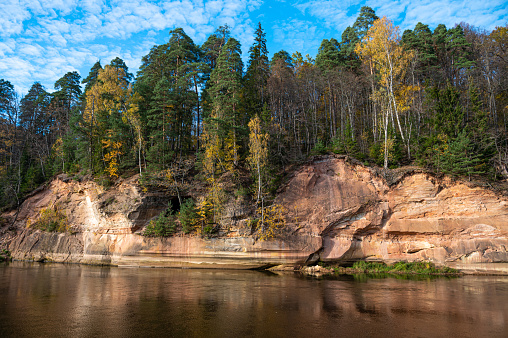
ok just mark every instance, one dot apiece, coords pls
pixel 119 63
pixel 211 50
pixel 364 21
pixel 225 90
pixel 461 159
pixel 329 57
pixel 258 70
pixel 159 152
pixel 90 80
pixel 420 40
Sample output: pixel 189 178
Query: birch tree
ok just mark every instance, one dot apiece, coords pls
pixel 382 45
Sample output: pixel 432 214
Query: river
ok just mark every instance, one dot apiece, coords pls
pixel 57 300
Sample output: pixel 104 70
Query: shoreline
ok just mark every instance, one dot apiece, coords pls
pixel 313 271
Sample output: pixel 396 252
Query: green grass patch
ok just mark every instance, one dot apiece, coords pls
pixel 403 268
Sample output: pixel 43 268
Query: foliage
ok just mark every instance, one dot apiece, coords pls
pixel 51 219
pixel 271 223
pixel 402 267
pixel 188 215
pixel 163 225
pixel 258 154
pixel 459 158
pixel 111 156
pixel 5 255
pixel 208 212
pixel 436 98
pixel 319 148
pixel 381 46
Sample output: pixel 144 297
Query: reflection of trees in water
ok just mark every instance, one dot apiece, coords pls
pixel 87 301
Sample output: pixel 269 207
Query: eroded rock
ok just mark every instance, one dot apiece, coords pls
pixel 337 210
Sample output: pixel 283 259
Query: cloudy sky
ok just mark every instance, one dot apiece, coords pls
pixel 41 40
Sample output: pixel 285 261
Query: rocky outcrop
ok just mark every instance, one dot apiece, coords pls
pixel 336 210
pixel 419 217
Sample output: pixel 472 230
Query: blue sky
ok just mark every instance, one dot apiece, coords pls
pixel 42 40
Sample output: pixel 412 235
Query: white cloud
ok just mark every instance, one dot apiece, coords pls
pixel 40 40
pixel 13 15
pixel 298 35
pixel 93 7
pixel 333 13
pixel 30 50
pixel 44 39
pixel 7 47
pixel 487 14
pixel 483 13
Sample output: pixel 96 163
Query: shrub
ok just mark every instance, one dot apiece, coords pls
pixel 163 225
pixel 188 215
pixel 319 148
pixel 50 219
pixel 5 255
pixel 272 223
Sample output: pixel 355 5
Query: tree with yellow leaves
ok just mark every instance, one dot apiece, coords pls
pixel 272 223
pixel 381 46
pixel 258 156
pixel 214 163
pixel 112 105
pixel 112 155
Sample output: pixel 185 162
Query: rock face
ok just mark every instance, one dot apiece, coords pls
pixel 358 216
pixel 335 211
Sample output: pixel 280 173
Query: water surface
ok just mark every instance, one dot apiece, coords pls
pixel 56 300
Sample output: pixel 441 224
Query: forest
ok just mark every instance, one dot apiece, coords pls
pixel 435 99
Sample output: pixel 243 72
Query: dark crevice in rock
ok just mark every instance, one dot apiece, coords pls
pixel 313 257
pixel 264 267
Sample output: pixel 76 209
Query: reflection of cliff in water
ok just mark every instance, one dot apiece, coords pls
pixel 68 300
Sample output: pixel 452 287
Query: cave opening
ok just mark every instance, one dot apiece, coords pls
pixel 175 203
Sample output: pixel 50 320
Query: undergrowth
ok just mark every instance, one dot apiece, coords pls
pixel 51 219
pixel 5 255
pixel 403 267
pixel 163 225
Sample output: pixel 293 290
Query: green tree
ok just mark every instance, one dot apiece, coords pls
pixel 258 70
pixel 329 57
pixel 364 21
pixel 210 54
pixel 90 80
pixel 460 157
pixel 225 89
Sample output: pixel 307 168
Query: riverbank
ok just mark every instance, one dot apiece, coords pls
pixel 334 210
pixel 360 268
pixel 373 268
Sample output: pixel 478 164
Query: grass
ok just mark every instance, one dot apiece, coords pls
pixel 421 268
pixel 427 268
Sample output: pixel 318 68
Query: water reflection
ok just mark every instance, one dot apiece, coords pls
pixel 72 300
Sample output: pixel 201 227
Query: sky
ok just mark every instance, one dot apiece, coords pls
pixel 41 40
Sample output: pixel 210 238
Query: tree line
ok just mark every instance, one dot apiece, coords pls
pixel 435 98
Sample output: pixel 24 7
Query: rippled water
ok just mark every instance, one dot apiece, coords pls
pixel 54 300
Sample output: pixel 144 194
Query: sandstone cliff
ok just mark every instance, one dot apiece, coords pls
pixel 336 211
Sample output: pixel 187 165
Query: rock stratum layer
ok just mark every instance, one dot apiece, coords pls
pixel 336 210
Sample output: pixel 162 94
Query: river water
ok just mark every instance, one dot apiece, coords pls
pixel 57 300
